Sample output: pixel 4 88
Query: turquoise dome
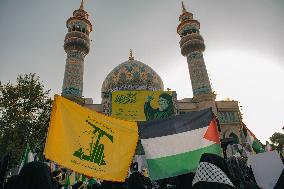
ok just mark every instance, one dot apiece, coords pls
pixel 132 75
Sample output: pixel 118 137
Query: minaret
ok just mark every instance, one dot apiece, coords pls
pixel 192 47
pixel 77 46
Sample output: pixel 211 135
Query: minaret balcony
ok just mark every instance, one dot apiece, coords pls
pixel 77 34
pixel 79 18
pixel 78 44
pixel 190 37
pixel 186 23
pixel 191 43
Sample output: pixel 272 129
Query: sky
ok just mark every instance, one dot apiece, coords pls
pixel 244 52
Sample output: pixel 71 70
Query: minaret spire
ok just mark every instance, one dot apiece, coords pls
pixel 82 5
pixel 130 55
pixel 183 8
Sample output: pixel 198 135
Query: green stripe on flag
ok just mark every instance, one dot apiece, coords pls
pixel 27 157
pixel 67 182
pixel 178 164
pixel 257 146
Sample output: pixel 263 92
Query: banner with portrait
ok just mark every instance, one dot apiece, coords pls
pixel 143 105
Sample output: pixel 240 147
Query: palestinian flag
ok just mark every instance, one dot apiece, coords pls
pixel 252 140
pixel 173 146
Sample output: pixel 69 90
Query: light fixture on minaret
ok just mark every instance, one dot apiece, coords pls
pixel 192 47
pixel 77 46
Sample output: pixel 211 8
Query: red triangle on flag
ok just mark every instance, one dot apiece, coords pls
pixel 212 133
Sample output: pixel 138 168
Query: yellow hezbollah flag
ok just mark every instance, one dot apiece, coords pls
pixel 89 142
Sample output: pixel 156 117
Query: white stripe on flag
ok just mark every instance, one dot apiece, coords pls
pixel 175 144
pixel 31 156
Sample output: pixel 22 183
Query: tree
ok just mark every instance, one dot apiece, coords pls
pixel 24 115
pixel 277 140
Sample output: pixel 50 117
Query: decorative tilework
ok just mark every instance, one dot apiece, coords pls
pixel 228 117
pixel 201 90
pixel 132 75
pixel 195 55
pixel 73 77
pixel 198 74
pixel 71 91
pixel 75 55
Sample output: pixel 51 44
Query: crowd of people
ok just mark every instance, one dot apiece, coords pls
pixel 213 172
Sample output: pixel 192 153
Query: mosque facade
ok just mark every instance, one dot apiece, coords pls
pixel 135 75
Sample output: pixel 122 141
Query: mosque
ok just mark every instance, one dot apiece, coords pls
pixel 133 75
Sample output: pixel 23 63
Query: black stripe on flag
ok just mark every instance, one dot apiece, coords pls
pixel 176 124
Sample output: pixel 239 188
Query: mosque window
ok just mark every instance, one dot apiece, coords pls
pixel 185 32
pixel 78 28
pixel 84 30
pixel 73 28
pixel 69 29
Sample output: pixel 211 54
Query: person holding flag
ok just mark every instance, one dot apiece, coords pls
pixel 27 157
pixel 35 175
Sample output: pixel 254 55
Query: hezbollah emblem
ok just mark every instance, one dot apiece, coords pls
pixel 96 150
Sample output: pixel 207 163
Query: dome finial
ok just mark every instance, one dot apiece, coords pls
pixel 82 4
pixel 130 55
pixel 183 8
